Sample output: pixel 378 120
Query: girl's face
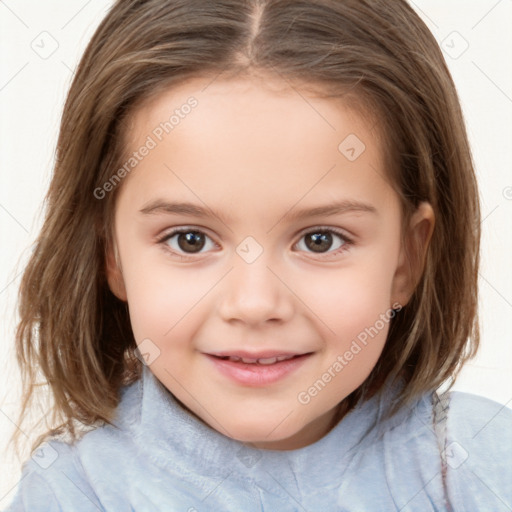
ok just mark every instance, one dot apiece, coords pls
pixel 255 221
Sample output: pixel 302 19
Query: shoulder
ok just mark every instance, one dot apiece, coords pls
pixel 68 476
pixel 478 452
pixel 52 480
pixel 483 425
pixel 472 434
pixel 476 415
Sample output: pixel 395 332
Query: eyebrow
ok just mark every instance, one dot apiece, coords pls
pixel 159 206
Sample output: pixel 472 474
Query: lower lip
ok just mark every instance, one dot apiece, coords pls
pixel 257 374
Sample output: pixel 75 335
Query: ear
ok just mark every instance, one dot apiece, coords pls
pixel 114 272
pixel 413 254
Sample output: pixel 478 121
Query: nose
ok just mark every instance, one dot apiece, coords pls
pixel 253 294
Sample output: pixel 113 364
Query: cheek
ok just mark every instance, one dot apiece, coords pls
pixel 163 301
pixel 352 307
pixel 349 299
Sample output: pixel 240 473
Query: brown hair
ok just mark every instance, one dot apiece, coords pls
pixel 77 333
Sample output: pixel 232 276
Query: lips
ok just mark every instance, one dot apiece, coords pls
pixel 260 360
pixel 263 358
pixel 257 369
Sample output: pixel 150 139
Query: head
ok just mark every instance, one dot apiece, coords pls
pixel 290 106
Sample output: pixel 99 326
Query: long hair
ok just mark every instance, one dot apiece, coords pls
pixel 75 335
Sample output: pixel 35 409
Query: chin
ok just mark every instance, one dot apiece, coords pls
pixel 268 434
pixel 292 441
pixel 249 430
pixel 269 443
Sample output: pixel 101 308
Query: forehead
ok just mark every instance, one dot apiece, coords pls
pixel 260 100
pixel 260 141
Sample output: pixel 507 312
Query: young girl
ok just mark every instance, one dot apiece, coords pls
pixel 258 264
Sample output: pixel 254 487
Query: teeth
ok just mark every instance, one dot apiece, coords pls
pixel 268 360
pixel 250 361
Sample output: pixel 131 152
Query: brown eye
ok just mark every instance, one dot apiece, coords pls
pixel 318 242
pixel 193 241
pixel 188 241
pixel 323 241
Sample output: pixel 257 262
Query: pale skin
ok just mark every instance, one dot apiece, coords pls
pixel 257 156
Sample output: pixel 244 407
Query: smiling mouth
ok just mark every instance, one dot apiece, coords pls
pixel 247 369
pixel 259 360
pixel 267 360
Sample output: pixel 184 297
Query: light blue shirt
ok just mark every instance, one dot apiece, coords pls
pixel 159 457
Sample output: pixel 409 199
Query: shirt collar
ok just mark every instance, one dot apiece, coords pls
pixel 174 436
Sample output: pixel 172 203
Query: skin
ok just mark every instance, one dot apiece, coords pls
pixel 256 154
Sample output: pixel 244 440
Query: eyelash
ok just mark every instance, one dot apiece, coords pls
pixel 347 242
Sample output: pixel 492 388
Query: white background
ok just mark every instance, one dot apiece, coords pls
pixel 33 89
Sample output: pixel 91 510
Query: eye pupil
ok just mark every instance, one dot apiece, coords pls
pixel 192 241
pixel 319 242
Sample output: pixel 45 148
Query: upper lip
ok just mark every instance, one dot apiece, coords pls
pixel 266 354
